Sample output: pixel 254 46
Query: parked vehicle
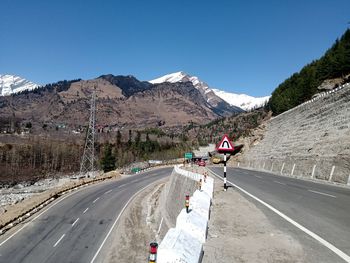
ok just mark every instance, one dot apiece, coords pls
pixel 201 163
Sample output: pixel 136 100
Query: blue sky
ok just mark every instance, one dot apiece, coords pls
pixel 238 46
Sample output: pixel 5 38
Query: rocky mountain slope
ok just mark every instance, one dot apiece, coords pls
pixel 220 106
pixel 215 96
pixel 10 84
pixel 122 102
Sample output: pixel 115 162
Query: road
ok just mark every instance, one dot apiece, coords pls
pixel 321 208
pixel 75 226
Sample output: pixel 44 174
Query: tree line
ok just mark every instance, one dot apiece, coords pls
pixel 301 86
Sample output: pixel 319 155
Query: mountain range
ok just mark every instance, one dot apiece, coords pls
pixel 10 84
pixel 122 102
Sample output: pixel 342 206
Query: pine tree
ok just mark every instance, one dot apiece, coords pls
pixel 108 160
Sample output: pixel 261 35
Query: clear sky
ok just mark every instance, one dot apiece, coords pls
pixel 238 46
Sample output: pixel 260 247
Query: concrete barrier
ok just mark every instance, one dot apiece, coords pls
pixel 179 246
pixel 185 242
pixel 194 223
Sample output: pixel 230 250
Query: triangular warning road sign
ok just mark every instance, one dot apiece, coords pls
pixel 225 145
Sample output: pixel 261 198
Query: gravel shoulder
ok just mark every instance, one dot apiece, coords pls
pixel 240 232
pixel 137 228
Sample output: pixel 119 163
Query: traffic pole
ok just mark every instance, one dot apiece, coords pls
pixel 200 184
pixel 153 252
pixel 225 172
pixel 187 203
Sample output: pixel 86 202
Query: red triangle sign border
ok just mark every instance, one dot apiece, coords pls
pixel 221 147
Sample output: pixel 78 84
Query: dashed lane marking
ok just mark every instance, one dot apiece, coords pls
pixel 95 200
pixel 85 210
pixel 75 221
pixel 58 241
pixel 108 191
pixel 277 182
pixel 7 239
pixel 320 193
pixel 258 176
pixel 115 222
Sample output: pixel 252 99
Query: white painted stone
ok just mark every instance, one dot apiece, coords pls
pixel 331 174
pixel 193 223
pixel 200 203
pixel 292 170
pixel 179 246
pixel 282 168
pixel 313 171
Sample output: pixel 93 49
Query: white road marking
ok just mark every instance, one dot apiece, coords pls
pixel 277 182
pixel 108 191
pixel 324 242
pixel 85 210
pixel 95 200
pixel 75 221
pixel 121 185
pixel 115 222
pixel 7 239
pixel 320 193
pixel 58 241
pixel 258 176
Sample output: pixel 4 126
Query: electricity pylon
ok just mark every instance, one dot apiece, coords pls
pixel 87 165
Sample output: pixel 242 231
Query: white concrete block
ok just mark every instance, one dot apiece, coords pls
pixel 200 203
pixel 208 186
pixel 193 223
pixel 179 246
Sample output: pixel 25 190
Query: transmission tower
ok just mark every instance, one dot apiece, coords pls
pixel 87 165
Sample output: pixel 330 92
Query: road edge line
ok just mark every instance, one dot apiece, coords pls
pixel 117 219
pixel 324 242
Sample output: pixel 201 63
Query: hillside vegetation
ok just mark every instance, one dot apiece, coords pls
pixel 300 87
pixel 235 127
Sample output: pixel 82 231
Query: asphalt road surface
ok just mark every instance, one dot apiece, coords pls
pixel 75 226
pixel 322 209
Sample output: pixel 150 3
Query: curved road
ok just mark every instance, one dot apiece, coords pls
pixel 323 209
pixel 75 226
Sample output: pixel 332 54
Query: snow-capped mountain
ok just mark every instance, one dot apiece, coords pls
pixel 183 77
pixel 10 84
pixel 242 101
pixel 214 101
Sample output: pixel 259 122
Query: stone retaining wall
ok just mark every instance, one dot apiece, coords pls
pixel 314 138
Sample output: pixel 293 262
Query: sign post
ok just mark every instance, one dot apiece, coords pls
pixel 225 146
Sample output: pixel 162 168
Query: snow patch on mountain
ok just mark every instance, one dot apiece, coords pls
pixel 243 101
pixel 183 77
pixel 10 84
pixel 211 98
